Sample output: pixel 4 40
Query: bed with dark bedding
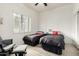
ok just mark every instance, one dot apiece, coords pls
pixel 33 39
pixel 53 43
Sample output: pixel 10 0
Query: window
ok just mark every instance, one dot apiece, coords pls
pixel 21 23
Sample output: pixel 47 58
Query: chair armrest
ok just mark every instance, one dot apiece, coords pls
pixel 7 41
pixel 7 48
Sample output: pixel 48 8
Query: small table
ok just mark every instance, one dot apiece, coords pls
pixel 20 50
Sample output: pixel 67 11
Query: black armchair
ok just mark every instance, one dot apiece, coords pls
pixel 6 47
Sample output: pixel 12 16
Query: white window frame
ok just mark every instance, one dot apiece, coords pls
pixel 23 23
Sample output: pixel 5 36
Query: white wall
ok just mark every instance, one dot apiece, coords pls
pixel 6 29
pixel 76 17
pixel 78 28
pixel 60 19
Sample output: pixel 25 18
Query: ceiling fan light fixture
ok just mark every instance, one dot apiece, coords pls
pixel 36 4
pixel 45 4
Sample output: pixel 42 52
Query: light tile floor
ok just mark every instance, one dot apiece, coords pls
pixel 70 50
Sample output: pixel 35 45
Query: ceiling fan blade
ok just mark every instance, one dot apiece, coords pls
pixel 36 4
pixel 45 4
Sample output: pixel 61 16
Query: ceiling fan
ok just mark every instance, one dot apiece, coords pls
pixel 45 4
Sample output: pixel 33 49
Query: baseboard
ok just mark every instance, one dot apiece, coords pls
pixel 76 45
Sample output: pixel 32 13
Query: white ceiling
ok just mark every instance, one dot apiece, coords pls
pixel 40 7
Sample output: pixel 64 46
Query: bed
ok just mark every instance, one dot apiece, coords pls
pixel 33 39
pixel 53 43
